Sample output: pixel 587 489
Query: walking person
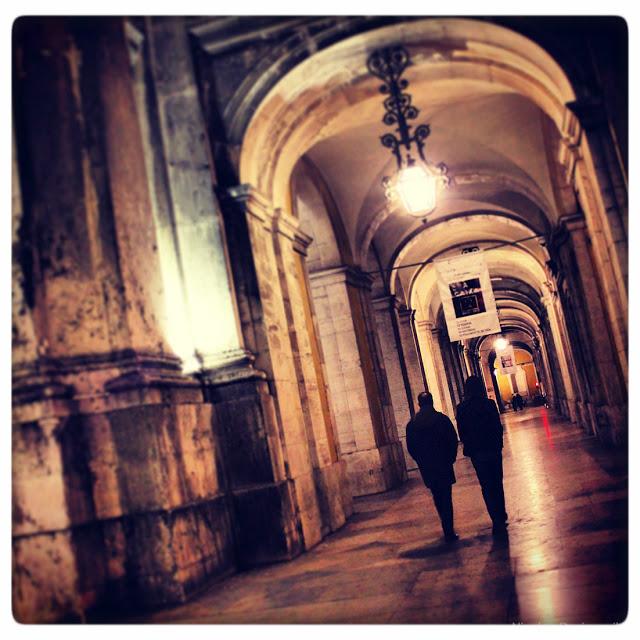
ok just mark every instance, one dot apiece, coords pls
pixel 432 442
pixel 480 432
pixel 516 402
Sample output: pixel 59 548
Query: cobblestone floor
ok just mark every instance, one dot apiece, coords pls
pixel 565 560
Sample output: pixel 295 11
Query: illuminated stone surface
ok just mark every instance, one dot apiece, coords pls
pixel 170 173
pixel 564 562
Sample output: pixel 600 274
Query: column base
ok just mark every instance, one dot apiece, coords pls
pixel 375 470
pixel 265 524
pixel 334 496
pixel 262 499
pixel 409 462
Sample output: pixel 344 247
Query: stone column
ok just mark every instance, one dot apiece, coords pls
pixel 250 224
pixel 610 380
pixel 113 453
pixel 416 340
pixel 428 337
pixel 186 206
pixel 395 367
pixel 411 354
pixel 327 473
pixel 489 383
pixel 562 350
pixel 453 368
pixel 367 438
pixel 468 361
pixel 589 157
pixel 553 367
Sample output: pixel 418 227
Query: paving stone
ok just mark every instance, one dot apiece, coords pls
pixel 565 559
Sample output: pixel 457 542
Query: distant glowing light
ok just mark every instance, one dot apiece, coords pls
pixel 500 344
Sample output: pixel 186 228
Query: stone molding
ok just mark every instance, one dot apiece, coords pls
pixel 249 201
pixel 95 361
pixel 572 223
pixel 386 303
pixel 569 148
pixel 213 34
pixel 256 204
pixel 236 368
pixel 98 383
pixel 406 313
pixel 353 276
pixel 289 227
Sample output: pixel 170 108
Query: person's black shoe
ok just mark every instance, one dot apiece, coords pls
pixel 451 537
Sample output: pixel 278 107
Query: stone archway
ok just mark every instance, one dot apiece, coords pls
pixel 329 94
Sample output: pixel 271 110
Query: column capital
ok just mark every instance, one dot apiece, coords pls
pixel 230 366
pixel 245 198
pixel 572 223
pixel 389 303
pixel 353 276
pixel 432 327
pixel 289 227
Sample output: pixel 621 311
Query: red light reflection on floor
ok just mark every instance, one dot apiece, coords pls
pixel 547 428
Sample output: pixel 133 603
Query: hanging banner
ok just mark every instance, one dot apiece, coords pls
pixel 506 360
pixel 467 296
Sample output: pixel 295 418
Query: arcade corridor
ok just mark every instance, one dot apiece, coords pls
pixel 565 561
pixel 242 247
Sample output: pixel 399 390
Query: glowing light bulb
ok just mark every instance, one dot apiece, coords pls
pixel 417 190
pixel 500 344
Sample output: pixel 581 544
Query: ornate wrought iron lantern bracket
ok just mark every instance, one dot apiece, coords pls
pixel 389 64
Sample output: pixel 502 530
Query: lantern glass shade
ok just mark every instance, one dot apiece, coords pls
pixel 417 186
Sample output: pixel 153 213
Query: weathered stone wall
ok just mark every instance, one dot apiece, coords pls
pixel 134 484
pixel 269 285
pixel 600 381
pixel 117 492
pixel 366 428
pixel 119 506
pixel 401 366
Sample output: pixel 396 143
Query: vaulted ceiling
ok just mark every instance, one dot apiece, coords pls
pixel 494 102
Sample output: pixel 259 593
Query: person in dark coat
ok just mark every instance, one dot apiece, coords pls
pixel 517 402
pixel 432 442
pixel 480 432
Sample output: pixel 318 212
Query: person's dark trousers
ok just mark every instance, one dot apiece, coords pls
pixel 441 493
pixel 489 472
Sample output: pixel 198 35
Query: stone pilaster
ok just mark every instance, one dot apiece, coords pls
pixel 186 209
pixel 413 362
pixel 609 390
pixel 589 156
pixel 428 338
pixel 114 459
pixel 367 438
pixel 326 473
pixel 395 367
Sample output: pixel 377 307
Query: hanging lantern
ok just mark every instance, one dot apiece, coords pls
pixel 417 182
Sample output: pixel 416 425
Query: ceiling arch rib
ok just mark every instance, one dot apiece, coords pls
pixel 510 262
pixel 312 101
pixel 523 261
